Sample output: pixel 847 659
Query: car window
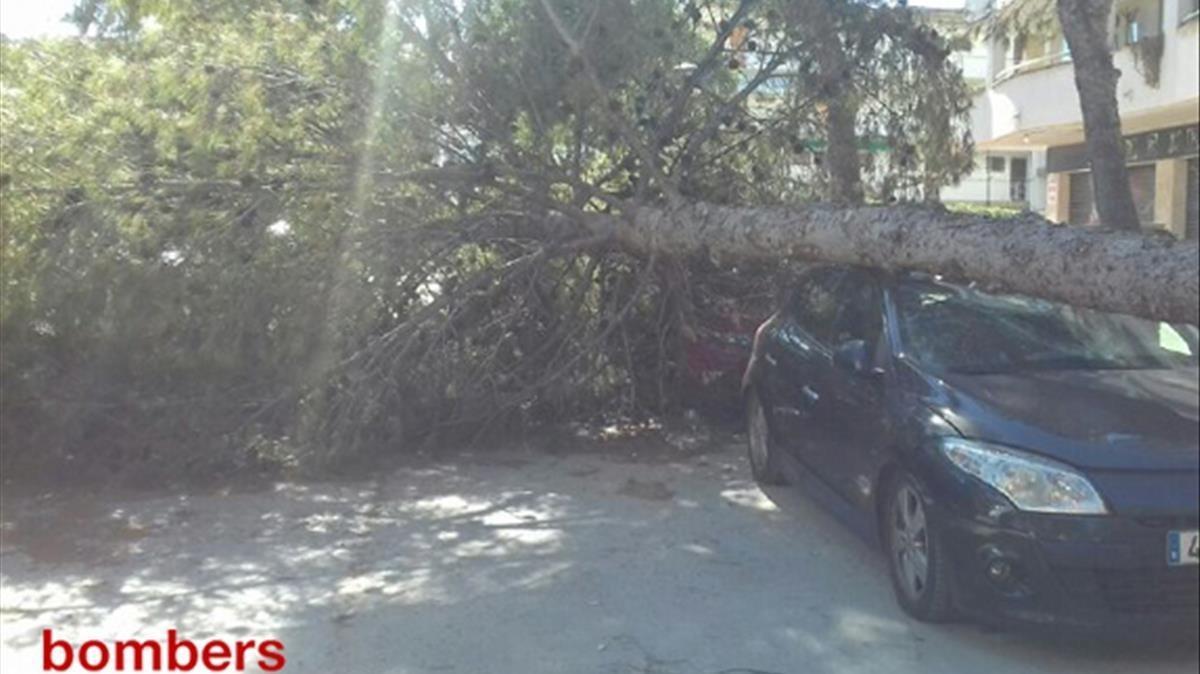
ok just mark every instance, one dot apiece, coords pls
pixel 859 312
pixel 813 303
pixel 961 329
pixel 1170 339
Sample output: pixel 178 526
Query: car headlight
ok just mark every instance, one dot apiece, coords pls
pixel 1031 482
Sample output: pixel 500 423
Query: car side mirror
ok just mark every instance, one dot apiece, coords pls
pixel 853 356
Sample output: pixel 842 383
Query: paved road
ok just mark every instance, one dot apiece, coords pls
pixel 632 556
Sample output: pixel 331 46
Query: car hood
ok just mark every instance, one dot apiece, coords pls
pixel 1101 419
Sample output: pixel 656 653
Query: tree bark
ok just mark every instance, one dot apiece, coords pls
pixel 1085 26
pixel 841 156
pixel 1154 277
pixel 819 29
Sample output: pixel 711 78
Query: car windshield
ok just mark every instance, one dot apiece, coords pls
pixel 962 329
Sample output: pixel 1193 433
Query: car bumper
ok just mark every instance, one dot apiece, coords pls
pixel 1090 574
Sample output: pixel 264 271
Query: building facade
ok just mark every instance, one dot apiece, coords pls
pixel 1028 125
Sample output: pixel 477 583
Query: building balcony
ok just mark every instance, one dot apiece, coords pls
pixel 1034 104
pixel 1031 65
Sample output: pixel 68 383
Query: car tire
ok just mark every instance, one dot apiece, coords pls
pixel 917 562
pixel 764 460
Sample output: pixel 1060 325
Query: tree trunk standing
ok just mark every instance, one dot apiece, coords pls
pixel 819 30
pixel 1085 26
pixel 931 191
pixel 1154 277
pixel 841 154
pixel 931 178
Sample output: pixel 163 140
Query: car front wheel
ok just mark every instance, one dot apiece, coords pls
pixel 919 568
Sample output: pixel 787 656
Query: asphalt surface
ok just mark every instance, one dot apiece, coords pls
pixel 649 555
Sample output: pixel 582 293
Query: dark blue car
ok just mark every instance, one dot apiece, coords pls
pixel 1020 460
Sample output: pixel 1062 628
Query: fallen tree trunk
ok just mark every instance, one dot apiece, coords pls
pixel 1150 276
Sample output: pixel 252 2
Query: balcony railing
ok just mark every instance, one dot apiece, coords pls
pixel 1040 63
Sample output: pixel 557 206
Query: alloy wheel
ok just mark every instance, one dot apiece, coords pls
pixel 910 542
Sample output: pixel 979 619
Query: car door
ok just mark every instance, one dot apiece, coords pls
pixel 794 357
pixel 853 426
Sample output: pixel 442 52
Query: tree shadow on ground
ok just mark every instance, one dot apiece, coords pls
pixel 517 561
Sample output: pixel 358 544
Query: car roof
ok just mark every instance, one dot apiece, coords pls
pixel 883 275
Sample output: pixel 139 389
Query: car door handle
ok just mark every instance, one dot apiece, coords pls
pixel 810 396
pixel 770 360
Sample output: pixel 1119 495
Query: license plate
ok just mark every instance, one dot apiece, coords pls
pixel 1183 548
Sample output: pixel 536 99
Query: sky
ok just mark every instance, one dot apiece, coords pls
pixel 37 18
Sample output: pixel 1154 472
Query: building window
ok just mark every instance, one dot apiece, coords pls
pixel 1082 207
pixel 1018 180
pixel 1136 20
pixel 996 164
pixel 1141 182
pixel 1129 28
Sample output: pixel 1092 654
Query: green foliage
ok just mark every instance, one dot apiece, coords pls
pixel 989 211
pixel 150 298
pixel 237 235
pixel 1022 17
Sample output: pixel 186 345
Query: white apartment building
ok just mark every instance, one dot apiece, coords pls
pixel 1028 126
